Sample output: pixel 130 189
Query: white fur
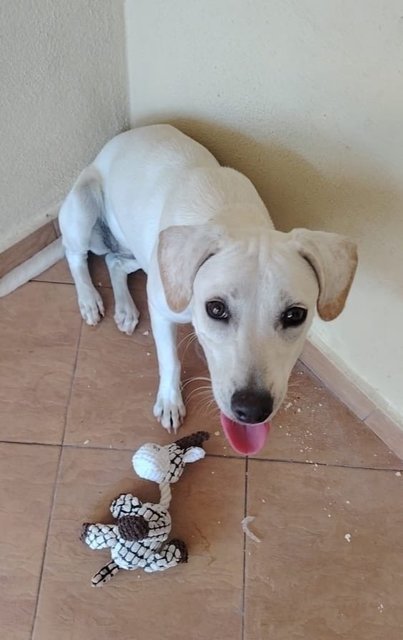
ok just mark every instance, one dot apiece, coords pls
pixel 170 205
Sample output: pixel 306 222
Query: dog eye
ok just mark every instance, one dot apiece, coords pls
pixel 293 317
pixel 217 309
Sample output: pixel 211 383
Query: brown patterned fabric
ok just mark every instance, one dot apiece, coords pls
pixel 83 533
pixel 194 440
pixel 182 548
pixel 133 527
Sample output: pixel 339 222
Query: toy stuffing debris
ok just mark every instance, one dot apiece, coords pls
pixel 245 528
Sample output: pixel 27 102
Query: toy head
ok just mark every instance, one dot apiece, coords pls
pixel 166 464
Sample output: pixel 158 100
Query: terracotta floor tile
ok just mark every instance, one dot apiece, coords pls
pixel 330 562
pixel 313 425
pixel 197 600
pixel 27 475
pixel 116 381
pixel 60 272
pixel 39 330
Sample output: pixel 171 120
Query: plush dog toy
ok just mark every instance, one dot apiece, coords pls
pixel 138 538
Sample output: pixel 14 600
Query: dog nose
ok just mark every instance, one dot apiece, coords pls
pixel 251 406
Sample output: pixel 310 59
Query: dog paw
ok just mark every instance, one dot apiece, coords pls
pixel 170 411
pixel 126 318
pixel 92 308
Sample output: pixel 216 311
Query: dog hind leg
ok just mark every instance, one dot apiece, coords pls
pixel 78 216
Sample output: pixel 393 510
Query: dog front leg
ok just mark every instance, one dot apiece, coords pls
pixel 169 408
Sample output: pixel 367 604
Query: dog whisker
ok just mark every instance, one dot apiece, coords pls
pixel 198 391
pixel 206 405
pixel 188 336
pixel 195 379
pixel 191 338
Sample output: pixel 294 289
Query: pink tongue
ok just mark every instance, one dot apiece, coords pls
pixel 245 438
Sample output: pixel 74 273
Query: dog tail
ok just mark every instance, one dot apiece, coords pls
pixel 32 267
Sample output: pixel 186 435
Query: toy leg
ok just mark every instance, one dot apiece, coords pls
pixel 99 536
pixel 175 552
pixel 105 574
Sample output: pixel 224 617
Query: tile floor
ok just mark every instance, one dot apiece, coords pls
pixel 76 401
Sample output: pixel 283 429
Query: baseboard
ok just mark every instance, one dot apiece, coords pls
pixel 384 425
pixel 28 247
pixel 335 380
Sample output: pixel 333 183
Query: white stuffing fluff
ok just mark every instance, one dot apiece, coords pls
pixel 245 528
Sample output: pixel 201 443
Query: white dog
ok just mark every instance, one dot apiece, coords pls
pixel 154 199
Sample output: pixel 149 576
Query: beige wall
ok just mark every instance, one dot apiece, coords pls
pixel 305 97
pixel 63 94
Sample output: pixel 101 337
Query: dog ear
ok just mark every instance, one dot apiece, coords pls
pixel 193 454
pixel 334 261
pixel 182 250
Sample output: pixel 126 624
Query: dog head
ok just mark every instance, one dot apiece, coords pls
pixel 253 298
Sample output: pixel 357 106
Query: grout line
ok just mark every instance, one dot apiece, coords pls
pixel 245 512
pixel 66 415
pixel 51 509
pixel 332 465
pixel 31 442
pixel 82 447
pixel 55 485
pixel 70 284
pixel 325 464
